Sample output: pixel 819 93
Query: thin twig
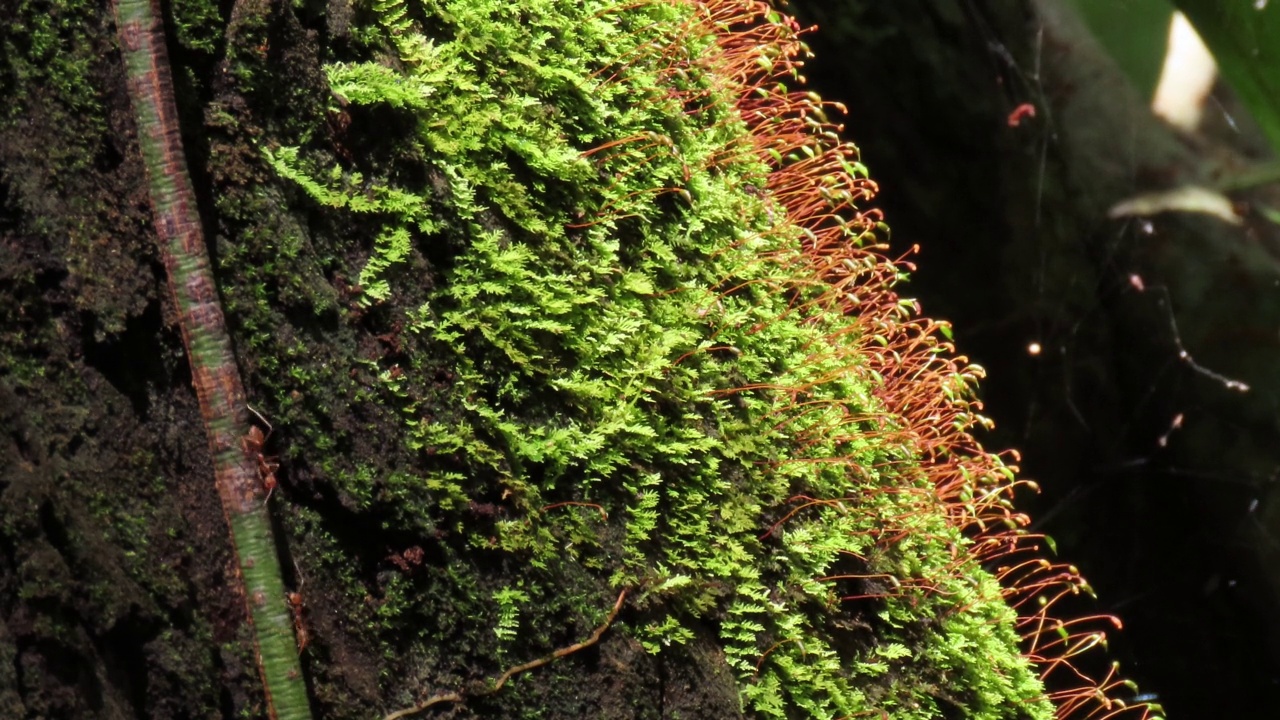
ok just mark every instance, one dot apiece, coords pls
pixel 458 696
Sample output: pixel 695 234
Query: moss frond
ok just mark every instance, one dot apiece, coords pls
pixel 678 361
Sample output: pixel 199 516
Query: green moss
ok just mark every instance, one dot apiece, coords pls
pixel 41 45
pixel 58 158
pixel 198 25
pixel 589 363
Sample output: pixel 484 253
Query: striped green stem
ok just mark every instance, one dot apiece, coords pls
pixel 213 366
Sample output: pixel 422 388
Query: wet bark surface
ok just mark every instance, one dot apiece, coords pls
pixel 1156 475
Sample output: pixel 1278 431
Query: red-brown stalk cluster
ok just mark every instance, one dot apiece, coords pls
pixel 814 183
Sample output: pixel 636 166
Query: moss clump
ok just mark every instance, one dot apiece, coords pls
pixel 608 358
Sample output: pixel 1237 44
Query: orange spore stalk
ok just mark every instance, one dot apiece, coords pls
pixel 813 183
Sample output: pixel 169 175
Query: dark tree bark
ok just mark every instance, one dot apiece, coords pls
pixel 120 595
pixel 118 583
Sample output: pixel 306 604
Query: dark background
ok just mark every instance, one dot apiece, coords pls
pixel 1168 523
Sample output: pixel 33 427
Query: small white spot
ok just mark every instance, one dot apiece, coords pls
pixel 1259 4
pixel 1033 349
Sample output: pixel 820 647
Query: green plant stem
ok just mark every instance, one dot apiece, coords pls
pixel 213 367
pixel 1251 177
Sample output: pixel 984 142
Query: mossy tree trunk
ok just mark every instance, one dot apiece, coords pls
pixel 511 284
pixel 118 582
